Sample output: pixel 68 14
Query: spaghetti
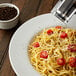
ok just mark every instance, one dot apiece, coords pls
pixel 53 52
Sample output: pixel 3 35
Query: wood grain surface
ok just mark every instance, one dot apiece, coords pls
pixel 28 9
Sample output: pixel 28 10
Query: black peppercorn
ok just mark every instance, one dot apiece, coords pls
pixel 7 13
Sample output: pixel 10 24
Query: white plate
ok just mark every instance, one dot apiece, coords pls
pixel 18 52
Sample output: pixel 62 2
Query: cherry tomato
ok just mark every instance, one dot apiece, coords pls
pixel 49 32
pixel 36 44
pixel 72 62
pixel 63 35
pixel 59 27
pixel 60 61
pixel 72 47
pixel 43 54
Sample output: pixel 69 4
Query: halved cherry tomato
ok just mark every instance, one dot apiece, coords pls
pixel 63 35
pixel 59 27
pixel 43 54
pixel 61 61
pixel 49 32
pixel 72 62
pixel 36 44
pixel 72 47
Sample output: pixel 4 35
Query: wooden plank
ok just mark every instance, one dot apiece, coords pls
pixel 20 3
pixel 29 10
pixel 3 34
pixel 3 45
pixel 54 2
pixel 46 6
pixel 5 1
pixel 7 70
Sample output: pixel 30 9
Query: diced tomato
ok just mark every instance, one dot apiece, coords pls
pixel 44 54
pixel 72 47
pixel 59 27
pixel 49 32
pixel 63 35
pixel 72 62
pixel 36 44
pixel 61 61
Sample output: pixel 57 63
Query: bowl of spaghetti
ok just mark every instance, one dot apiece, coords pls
pixel 45 49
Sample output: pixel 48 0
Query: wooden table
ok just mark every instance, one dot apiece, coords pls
pixel 28 9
